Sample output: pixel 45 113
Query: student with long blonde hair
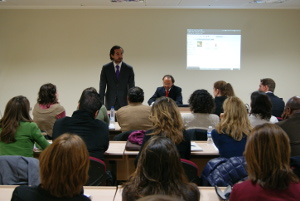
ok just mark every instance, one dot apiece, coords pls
pixel 231 133
pixel 64 169
pixel 268 164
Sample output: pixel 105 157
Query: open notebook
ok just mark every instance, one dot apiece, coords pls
pixel 195 147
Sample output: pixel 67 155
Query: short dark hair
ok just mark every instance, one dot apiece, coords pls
pixel 261 105
pixel 135 95
pixel 169 76
pixel 90 101
pixel 269 82
pixel 112 50
pixel 201 101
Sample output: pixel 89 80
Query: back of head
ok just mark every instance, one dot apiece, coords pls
pixel 294 103
pixel 135 95
pixel 166 119
pixel 201 101
pixel 269 82
pixel 16 110
pixel 234 121
pixel 267 154
pixel 90 101
pixel 261 105
pixel 64 166
pixel 47 94
pixel 159 198
pixel 225 88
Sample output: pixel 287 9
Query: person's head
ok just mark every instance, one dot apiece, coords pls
pixel 201 102
pixel 292 106
pixel 222 88
pixel 90 101
pixel 47 94
pixel 158 198
pixel 267 154
pixel 135 95
pixel 116 54
pixel 166 119
pixel 234 121
pixel 168 81
pixel 16 110
pixel 261 105
pixel 64 166
pixel 267 84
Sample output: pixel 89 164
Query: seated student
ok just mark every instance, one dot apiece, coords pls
pixel 269 174
pixel 222 90
pixel 64 169
pixel 167 122
pixel 231 133
pixel 159 172
pixel 201 106
pixel 17 131
pixel 261 109
pixel 84 123
pixel 47 109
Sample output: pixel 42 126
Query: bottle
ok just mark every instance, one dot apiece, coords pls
pixel 112 114
pixel 209 139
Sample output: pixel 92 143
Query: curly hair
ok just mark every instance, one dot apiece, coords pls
pixel 47 94
pixel 201 101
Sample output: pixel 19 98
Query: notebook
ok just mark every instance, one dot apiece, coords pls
pixel 195 147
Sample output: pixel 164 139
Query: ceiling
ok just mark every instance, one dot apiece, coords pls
pixel 200 4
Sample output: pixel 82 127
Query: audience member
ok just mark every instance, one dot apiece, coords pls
pixel 63 170
pixel 201 105
pixel 261 109
pixel 167 122
pixel 291 124
pixel 267 85
pixel 83 123
pixel 134 116
pixel 222 90
pixel 17 131
pixel 47 109
pixel 159 172
pixel 269 174
pixel 169 90
pixel 231 133
pixel 158 198
pixel 115 79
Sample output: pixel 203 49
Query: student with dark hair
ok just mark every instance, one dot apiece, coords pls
pixel 201 105
pixel 222 90
pixel 17 131
pixel 64 169
pixel 270 177
pixel 84 123
pixel 159 172
pixel 261 109
pixel 47 109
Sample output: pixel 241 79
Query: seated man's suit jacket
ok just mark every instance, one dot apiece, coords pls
pixel 174 93
pixel 277 105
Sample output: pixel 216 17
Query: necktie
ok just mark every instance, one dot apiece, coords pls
pixel 117 71
pixel 167 93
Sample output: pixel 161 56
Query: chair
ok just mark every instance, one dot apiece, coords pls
pixel 197 134
pixel 191 170
pixel 98 175
pixel 295 165
pixel 19 170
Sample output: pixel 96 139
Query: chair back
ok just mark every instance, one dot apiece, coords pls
pixel 197 134
pixel 97 173
pixel 191 170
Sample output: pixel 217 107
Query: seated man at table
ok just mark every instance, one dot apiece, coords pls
pixel 83 122
pixel 134 116
pixel 169 90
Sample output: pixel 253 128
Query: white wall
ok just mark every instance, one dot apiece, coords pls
pixel 69 47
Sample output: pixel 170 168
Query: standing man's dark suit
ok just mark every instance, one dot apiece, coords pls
pixel 277 104
pixel 174 93
pixel 112 88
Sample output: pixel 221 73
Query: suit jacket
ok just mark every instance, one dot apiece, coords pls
pixel 292 128
pixel 174 93
pixel 277 105
pixel 115 90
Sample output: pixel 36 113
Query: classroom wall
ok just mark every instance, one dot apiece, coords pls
pixel 69 47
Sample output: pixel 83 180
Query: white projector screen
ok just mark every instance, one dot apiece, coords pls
pixel 213 49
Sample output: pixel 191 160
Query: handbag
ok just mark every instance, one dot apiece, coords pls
pixel 135 140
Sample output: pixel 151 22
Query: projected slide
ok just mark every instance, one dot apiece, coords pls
pixel 213 49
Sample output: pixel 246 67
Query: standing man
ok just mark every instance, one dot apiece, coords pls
pixel 169 90
pixel 115 79
pixel 267 85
